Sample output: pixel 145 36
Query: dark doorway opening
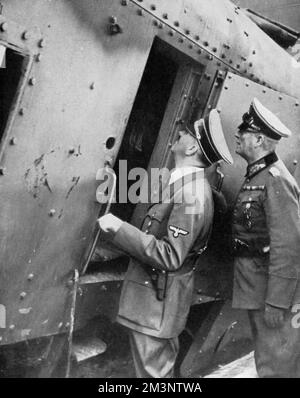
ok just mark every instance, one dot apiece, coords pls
pixel 146 117
pixel 142 129
pixel 10 78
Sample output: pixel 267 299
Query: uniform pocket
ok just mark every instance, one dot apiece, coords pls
pixel 138 304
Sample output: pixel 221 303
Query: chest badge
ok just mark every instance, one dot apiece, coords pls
pixel 177 231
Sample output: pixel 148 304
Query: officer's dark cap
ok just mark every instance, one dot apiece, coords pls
pixel 210 136
pixel 259 119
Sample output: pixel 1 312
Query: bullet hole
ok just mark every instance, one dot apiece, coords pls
pixel 110 142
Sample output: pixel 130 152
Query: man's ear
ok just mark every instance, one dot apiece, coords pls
pixel 260 139
pixel 191 150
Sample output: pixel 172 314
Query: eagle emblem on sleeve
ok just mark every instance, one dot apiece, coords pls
pixel 178 231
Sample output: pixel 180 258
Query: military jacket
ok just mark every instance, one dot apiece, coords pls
pixel 266 223
pixel 170 232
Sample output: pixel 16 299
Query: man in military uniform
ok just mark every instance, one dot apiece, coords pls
pixel 266 244
pixel 158 287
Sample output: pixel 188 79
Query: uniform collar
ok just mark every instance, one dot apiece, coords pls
pixel 261 164
pixel 180 172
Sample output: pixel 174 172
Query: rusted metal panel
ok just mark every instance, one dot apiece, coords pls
pixel 226 34
pixel 48 191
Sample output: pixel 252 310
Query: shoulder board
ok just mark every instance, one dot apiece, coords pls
pixel 274 172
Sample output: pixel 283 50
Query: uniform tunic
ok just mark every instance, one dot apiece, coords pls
pixel 266 220
pixel 170 236
pixel 266 240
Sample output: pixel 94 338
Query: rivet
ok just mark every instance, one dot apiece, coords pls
pixel 60 325
pixel 92 86
pixel 4 26
pixel 280 97
pixel 30 277
pixel 165 16
pixel 253 52
pixel 155 23
pixel 23 295
pixel 176 23
pixel 197 38
pixel 171 33
pixel 238 66
pixel 2 171
pixel 295 162
pixel 153 7
pixel 191 46
pixel 160 25
pixel 247 84
pixel 199 291
pixel 229 20
pixel 199 300
pixel 113 20
pixel 226 88
pixel 140 12
pixel 67 325
pixel 210 57
pixel 124 2
pixel 13 141
pixel 230 77
pixel 215 49
pixel 297 104
pixel 207 76
pixel 25 35
pixel 42 43
pixel 11 327
pixel 264 91
pixel 38 58
pixel 187 32
pixel 244 59
pixel 219 110
pixel 250 64
pixel 199 51
pixel 52 212
pixel 180 40
pixel 223 56
pixel 32 81
pixel 209 107
pixel 219 64
pixel 206 43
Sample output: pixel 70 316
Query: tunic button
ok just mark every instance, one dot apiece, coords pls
pixel 146 283
pixel 147 231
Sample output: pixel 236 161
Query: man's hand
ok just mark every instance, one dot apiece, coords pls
pixel 110 223
pixel 274 317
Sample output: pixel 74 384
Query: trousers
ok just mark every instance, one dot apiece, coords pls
pixel 277 351
pixel 153 357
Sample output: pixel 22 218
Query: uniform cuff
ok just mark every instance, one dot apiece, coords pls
pixel 281 291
